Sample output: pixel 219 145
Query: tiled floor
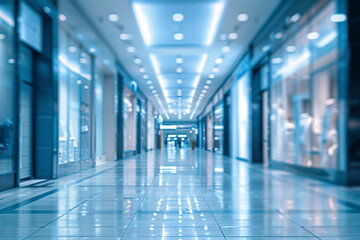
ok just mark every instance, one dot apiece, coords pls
pixel 181 194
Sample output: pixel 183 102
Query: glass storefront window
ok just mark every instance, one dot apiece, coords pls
pixel 129 114
pixel 99 109
pixel 7 80
pixel 303 95
pixel 219 128
pixel 74 101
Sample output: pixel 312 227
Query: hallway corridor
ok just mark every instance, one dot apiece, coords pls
pixel 180 194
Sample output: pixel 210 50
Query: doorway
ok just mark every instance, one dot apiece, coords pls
pixel 26 147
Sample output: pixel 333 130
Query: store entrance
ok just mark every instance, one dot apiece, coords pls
pixel 26 148
pixel 258 126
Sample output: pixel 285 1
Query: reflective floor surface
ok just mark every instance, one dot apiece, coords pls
pixel 180 194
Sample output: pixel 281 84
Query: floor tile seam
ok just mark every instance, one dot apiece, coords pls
pixel 213 215
pixel 140 205
pixel 48 193
pixel 306 188
pixel 293 221
pixel 61 215
pixel 344 202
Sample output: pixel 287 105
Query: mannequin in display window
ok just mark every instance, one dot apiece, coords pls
pixel 329 136
pixel 278 122
pixel 305 138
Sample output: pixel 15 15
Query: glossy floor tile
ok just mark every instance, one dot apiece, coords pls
pixel 181 194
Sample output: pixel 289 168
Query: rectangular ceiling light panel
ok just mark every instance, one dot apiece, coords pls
pixel 198 27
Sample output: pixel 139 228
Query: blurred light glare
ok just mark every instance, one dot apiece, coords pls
pixel 178 17
pixel 178 36
pixel 62 17
pixel 338 17
pixel 313 35
pixel 113 17
pixel 243 17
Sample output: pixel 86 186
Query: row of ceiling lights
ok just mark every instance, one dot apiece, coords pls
pixel 131 49
pixel 241 17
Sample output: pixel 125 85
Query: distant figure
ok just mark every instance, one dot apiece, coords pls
pixel 193 144
pixel 179 143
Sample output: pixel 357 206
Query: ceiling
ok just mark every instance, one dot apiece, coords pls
pixel 179 51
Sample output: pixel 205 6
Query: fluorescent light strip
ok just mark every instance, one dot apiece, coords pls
pixel 142 23
pixel 216 15
pixel 155 63
pixel 73 68
pixel 6 19
pixel 292 66
pixel 196 81
pixel 202 63
pixel 327 39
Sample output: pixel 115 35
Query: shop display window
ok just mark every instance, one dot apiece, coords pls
pixel 304 95
pixel 7 86
pixel 219 127
pixel 129 115
pixel 74 100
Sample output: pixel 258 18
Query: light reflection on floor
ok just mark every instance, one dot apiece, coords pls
pixel 181 194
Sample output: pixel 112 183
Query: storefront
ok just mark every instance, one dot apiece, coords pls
pixel 219 127
pixel 76 85
pixel 130 106
pixel 7 94
pixel 150 127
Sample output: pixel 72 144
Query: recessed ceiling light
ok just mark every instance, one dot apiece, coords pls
pixel 179 81
pixel 156 95
pixel 92 50
pixel 313 35
pixel 243 17
pixel 86 87
pixel 178 36
pixel 291 49
pixel 113 17
pixel 211 76
pixel 83 60
pixel 47 9
pixel 179 70
pixel 223 37
pixel 218 60
pixel 72 49
pixel 154 91
pixel 277 60
pixel 208 81
pixel 216 69
pixel 294 18
pixel 131 49
pixel 204 91
pixel 149 82
pixel 202 95
pixel 278 35
pixel 2 36
pixel 225 49
pixel 62 17
pixel 233 36
pixel 137 60
pixel 125 36
pixel 178 17
pixel 266 48
pixel 179 60
pixel 206 86
pixel 151 87
pixel 338 17
pixel 79 82
pixel 146 76
pixel 142 69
